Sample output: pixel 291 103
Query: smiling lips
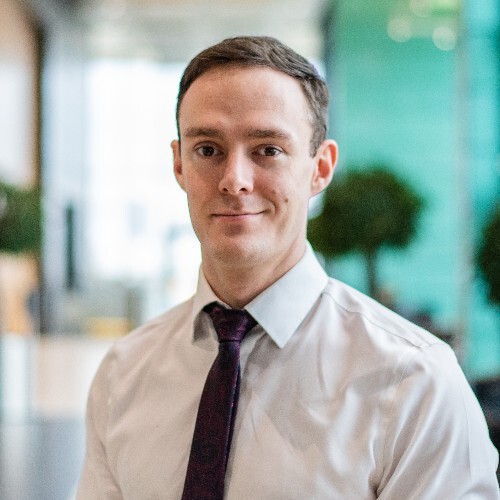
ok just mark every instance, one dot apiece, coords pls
pixel 235 215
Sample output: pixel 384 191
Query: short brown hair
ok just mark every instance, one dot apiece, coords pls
pixel 266 52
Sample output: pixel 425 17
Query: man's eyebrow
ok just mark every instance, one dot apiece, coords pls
pixel 194 132
pixel 271 133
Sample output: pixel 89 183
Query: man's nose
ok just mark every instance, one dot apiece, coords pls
pixel 237 176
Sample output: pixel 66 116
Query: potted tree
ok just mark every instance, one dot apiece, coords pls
pixel 488 259
pixel 365 211
pixel 20 221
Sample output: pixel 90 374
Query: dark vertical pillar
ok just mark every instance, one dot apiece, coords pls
pixel 70 241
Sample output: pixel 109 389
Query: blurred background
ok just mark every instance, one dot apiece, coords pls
pixel 94 232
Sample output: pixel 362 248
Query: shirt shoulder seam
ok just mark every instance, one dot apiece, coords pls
pixel 382 327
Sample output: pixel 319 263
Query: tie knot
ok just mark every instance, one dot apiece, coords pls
pixel 230 324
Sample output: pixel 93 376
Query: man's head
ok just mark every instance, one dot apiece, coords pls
pixel 267 52
pixel 246 163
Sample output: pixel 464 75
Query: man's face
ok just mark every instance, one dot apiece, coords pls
pixel 244 161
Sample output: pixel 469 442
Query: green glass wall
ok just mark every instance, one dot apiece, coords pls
pixel 410 81
pixel 481 74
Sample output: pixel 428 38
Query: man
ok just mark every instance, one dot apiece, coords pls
pixel 339 398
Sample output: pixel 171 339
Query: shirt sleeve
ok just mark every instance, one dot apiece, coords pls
pixel 436 439
pixel 97 481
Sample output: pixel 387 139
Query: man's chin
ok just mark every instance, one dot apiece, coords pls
pixel 239 252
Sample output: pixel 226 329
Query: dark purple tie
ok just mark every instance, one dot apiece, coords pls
pixel 217 410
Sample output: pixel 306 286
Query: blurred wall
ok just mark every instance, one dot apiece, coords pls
pixel 413 87
pixel 481 79
pixel 19 152
pixel 62 159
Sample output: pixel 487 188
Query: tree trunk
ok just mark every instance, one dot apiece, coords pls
pixel 372 274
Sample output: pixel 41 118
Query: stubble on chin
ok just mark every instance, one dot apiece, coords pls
pixel 240 253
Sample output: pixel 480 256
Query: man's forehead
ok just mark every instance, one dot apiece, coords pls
pixel 223 71
pixel 251 102
pixel 260 81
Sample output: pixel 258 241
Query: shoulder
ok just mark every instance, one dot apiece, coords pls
pixel 425 373
pixel 388 344
pixel 408 359
pixel 371 319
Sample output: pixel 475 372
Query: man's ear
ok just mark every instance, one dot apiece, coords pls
pixel 324 165
pixel 176 150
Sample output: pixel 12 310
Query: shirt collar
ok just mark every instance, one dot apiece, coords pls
pixel 204 295
pixel 281 307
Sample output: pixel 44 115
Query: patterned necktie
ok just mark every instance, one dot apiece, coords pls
pixel 217 409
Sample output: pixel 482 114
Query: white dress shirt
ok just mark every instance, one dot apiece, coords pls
pixel 340 399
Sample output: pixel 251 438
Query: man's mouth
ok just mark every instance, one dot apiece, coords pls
pixel 235 215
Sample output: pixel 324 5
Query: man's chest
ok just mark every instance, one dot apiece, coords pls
pixel 291 440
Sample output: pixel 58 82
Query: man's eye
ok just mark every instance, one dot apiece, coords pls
pixel 207 151
pixel 269 151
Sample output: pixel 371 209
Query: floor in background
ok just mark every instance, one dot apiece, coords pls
pixel 43 391
pixel 41 459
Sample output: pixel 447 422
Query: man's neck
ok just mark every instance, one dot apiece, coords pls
pixel 239 285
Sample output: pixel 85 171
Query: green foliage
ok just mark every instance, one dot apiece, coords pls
pixel 365 210
pixel 489 255
pixel 20 219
